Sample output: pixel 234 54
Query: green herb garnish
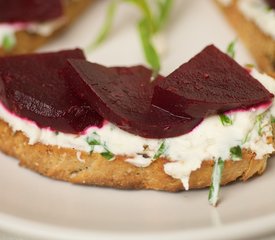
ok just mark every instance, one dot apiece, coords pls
pixel 231 49
pixel 106 28
pixel 249 65
pixel 108 155
pixel 152 22
pixel 236 153
pixel 8 42
pixel 246 138
pixel 164 10
pixel 160 151
pixel 148 47
pixel 214 189
pixel 272 119
pixel 259 121
pixel 94 140
pixel 226 120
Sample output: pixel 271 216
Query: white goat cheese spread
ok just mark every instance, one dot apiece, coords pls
pixel 209 140
pixel 260 13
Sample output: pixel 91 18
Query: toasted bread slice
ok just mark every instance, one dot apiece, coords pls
pixel 261 46
pixel 27 42
pixel 93 169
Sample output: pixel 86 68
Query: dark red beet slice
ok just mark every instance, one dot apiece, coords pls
pixel 30 10
pixel 209 83
pixel 123 96
pixel 32 87
pixel 271 3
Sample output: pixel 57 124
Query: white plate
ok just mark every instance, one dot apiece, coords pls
pixel 37 207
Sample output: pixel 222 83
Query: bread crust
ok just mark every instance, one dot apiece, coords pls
pixel 261 46
pixel 28 42
pixel 93 169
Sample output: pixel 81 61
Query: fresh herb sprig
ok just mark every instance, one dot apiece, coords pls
pixel 259 122
pixel 160 151
pixel 236 153
pixel 150 51
pixel 107 25
pixel 8 42
pixel 214 189
pixel 231 49
pixel 151 23
pixel 94 140
pixel 226 120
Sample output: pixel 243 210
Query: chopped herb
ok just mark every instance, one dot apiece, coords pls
pixel 160 151
pixel 8 42
pixel 259 121
pixel 231 49
pixel 226 120
pixel 272 119
pixel 246 138
pixel 108 155
pixel 106 26
pixel 56 133
pixel 152 21
pixel 236 153
pixel 150 52
pixel 94 140
pixel 164 10
pixel 249 65
pixel 214 189
pixel 145 9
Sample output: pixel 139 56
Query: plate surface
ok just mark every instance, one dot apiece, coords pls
pixel 35 207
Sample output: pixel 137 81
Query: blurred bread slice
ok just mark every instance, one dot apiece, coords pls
pixel 28 42
pixel 261 46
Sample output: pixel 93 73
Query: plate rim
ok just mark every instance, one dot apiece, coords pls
pixel 28 228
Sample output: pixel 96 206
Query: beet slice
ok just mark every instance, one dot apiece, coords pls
pixel 30 10
pixel 271 3
pixel 32 87
pixel 123 96
pixel 210 83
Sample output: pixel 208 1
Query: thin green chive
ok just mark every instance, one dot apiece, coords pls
pixel 108 155
pixel 164 11
pixel 249 65
pixel 8 42
pixel 160 151
pixel 231 49
pixel 236 153
pixel 150 52
pixel 226 120
pixel 106 28
pixel 214 189
pixel 259 121
pixel 93 142
pixel 153 20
